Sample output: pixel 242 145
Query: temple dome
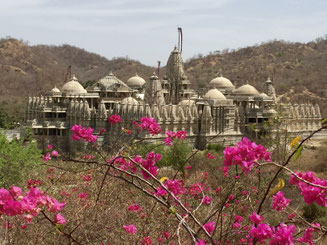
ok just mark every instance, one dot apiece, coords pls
pixel 214 94
pixel 110 82
pixel 247 89
pixel 135 81
pixel 221 82
pixel 55 90
pixel 73 87
pixel 129 100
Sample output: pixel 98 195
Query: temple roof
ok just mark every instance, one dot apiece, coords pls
pixel 73 87
pixel 214 94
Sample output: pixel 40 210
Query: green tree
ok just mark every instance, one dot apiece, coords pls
pixel 17 160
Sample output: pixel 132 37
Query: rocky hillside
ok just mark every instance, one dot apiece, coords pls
pixel 26 70
pixel 299 70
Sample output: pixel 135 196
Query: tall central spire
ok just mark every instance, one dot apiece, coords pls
pixel 175 74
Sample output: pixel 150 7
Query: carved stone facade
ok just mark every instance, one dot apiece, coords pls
pixel 222 115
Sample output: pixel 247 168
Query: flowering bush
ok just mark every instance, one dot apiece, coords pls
pixel 120 198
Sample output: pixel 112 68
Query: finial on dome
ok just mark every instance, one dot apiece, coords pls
pixel 74 77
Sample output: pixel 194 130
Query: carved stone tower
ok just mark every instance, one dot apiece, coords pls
pixel 270 90
pixel 153 92
pixel 175 75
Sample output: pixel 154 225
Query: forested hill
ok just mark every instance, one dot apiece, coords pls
pixel 299 70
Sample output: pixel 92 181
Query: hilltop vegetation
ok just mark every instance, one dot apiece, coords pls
pixel 298 69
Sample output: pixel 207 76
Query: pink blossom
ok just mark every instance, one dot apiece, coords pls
pixel 115 119
pixel 218 190
pixel 149 164
pixel 161 191
pixel 50 147
pixel 307 236
pixel 188 167
pixel 280 202
pixel 201 242
pixel 54 153
pixel 210 227
pixel 256 218
pixel 15 191
pixel 166 234
pixel 134 207
pixel 206 200
pixel 246 154
pixel 283 235
pixel 175 186
pixel 239 219
pixel 59 219
pixel 311 193
pixel 236 226
pixel 84 196
pixel 83 133
pixel 174 135
pixel 54 205
pixel 261 232
pixel 147 241
pixel 47 157
pixel 196 189
pixel 150 124
pixel 102 131
pixel 131 229
pixel 210 156
pixel 88 157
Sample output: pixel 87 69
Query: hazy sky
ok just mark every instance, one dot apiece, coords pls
pixel 146 30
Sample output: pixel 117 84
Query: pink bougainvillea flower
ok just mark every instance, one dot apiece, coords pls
pixel 131 229
pixel 210 156
pixel 102 131
pixel 256 218
pixel 174 135
pixel 280 202
pixel 84 196
pixel 246 154
pixel 147 241
pixel 206 200
pixel 283 235
pixel 150 124
pixel 54 153
pixel 261 232
pixel 83 133
pixel 311 193
pixel 218 190
pixel 115 119
pixel 239 219
pixel 196 189
pixel 236 226
pixel 210 227
pixel 47 157
pixel 201 242
pixel 134 207
pixel 59 219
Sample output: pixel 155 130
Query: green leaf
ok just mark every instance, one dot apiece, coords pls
pixel 172 210
pixel 298 153
pixel 59 228
pixel 324 121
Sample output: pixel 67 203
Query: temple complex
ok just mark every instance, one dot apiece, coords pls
pixel 224 114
